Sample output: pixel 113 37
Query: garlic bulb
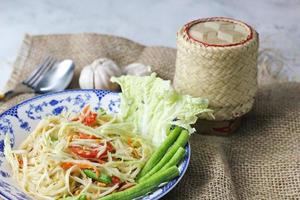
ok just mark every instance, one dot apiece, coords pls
pixel 97 75
pixel 137 69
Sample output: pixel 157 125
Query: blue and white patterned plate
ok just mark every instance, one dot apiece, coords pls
pixel 21 119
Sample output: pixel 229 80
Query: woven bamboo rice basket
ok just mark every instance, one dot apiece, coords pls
pixel 217 60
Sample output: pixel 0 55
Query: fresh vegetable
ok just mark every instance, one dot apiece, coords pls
pixel 115 180
pixel 51 170
pixel 82 197
pixel 152 105
pixel 91 153
pixel 178 156
pixel 118 145
pixel 180 142
pixel 68 198
pixel 101 111
pixel 109 147
pixel 68 165
pixel 144 187
pixel 86 136
pixel 102 178
pixel 91 119
pixel 84 153
pixel 160 151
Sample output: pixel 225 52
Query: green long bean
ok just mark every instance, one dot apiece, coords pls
pixel 144 187
pixel 180 142
pixel 178 156
pixel 102 178
pixel 160 152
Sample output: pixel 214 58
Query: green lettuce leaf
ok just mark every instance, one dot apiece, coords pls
pixel 152 105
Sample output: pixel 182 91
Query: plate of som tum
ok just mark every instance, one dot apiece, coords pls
pixel 96 144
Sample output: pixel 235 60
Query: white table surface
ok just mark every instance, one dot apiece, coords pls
pixel 152 22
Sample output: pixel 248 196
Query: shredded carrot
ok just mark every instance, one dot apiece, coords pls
pixel 85 166
pixel 86 109
pixel 75 119
pixel 129 142
pixel 67 165
pixel 97 172
pixel 20 161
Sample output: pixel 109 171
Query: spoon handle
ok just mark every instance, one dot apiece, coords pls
pixel 19 89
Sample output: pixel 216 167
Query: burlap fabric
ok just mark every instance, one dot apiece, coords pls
pixel 260 161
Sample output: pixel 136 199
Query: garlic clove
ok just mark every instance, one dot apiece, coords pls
pixel 100 72
pixel 102 80
pixel 137 69
pixel 86 79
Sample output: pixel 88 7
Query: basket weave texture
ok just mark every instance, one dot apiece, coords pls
pixel 224 74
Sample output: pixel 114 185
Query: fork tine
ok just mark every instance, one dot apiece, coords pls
pixel 37 70
pixel 43 72
pixel 43 67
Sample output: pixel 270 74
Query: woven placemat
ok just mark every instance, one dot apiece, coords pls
pixel 260 161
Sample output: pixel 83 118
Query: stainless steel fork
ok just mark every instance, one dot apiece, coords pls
pixel 30 84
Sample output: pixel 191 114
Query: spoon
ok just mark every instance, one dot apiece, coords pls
pixel 57 78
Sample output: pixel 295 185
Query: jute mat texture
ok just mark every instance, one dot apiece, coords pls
pixel 260 161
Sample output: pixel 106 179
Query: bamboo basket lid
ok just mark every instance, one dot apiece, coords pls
pixel 219 33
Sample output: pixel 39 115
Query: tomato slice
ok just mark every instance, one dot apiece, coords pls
pixel 101 161
pixel 115 180
pixel 90 120
pixel 110 147
pixel 90 153
pixel 86 136
pixel 84 153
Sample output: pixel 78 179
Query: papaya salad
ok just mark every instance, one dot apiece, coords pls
pixel 96 155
